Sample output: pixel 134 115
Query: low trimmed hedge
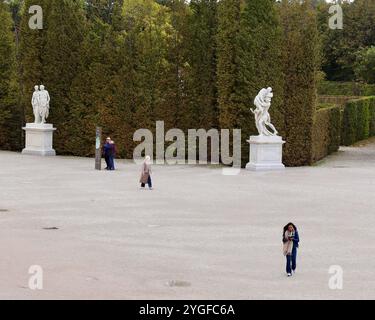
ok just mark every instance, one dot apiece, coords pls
pixel 335 88
pixel 372 116
pixel 358 120
pixel 326 131
pixel 337 100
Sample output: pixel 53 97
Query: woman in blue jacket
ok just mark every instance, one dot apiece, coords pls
pixel 290 246
pixel 107 152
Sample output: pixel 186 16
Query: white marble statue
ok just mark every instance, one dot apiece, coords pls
pixel 262 116
pixel 35 104
pixel 44 100
pixel 40 102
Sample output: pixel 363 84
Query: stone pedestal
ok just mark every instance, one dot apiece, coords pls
pixel 39 139
pixel 266 153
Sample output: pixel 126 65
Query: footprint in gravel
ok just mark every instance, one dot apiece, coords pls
pixel 51 228
pixel 178 283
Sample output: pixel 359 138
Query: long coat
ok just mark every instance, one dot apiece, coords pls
pixel 146 172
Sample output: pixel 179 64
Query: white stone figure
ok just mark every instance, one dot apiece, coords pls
pixel 44 100
pixel 266 149
pixel 262 117
pixel 35 103
pixel 39 135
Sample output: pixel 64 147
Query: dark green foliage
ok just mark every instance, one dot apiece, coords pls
pixel 336 88
pixel 229 12
pixel 335 129
pixel 341 46
pixel 354 123
pixel 301 63
pixel 372 117
pixel 363 119
pixel 101 9
pixel 61 58
pixel 365 65
pixel 349 124
pixel 326 132
pixel 358 120
pixel 201 46
pixel 31 53
pixel 249 59
pixel 10 115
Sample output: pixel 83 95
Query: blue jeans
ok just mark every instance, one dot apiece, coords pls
pixel 149 182
pixel 291 261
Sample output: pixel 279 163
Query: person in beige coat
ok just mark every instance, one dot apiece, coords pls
pixel 146 173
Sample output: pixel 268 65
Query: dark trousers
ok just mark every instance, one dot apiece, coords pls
pixel 291 261
pixel 111 162
pixel 107 161
pixel 149 182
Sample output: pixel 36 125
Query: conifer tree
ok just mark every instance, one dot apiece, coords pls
pixel 175 110
pixel 229 12
pixel 301 64
pixel 31 53
pixel 202 63
pixel 10 123
pixel 61 57
pixel 148 34
pixel 249 59
pixel 102 93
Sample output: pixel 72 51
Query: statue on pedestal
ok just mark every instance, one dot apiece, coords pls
pixel 266 149
pixel 39 135
pixel 262 116
pixel 40 102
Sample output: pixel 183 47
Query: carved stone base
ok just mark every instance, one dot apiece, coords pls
pixel 266 153
pixel 39 139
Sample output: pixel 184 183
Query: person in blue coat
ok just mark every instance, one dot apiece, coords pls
pixel 107 152
pixel 112 155
pixel 290 247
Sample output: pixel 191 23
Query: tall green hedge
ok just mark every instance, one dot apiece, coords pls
pixel 10 115
pixel 196 64
pixel 372 116
pixel 358 120
pixel 334 125
pixel 301 63
pixel 249 59
pixel 326 132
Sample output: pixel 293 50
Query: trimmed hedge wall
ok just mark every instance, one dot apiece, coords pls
pixel 301 63
pixel 326 131
pixel 335 88
pixel 337 100
pixel 358 120
pixel 372 116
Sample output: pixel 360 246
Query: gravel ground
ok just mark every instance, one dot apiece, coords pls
pixel 198 235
